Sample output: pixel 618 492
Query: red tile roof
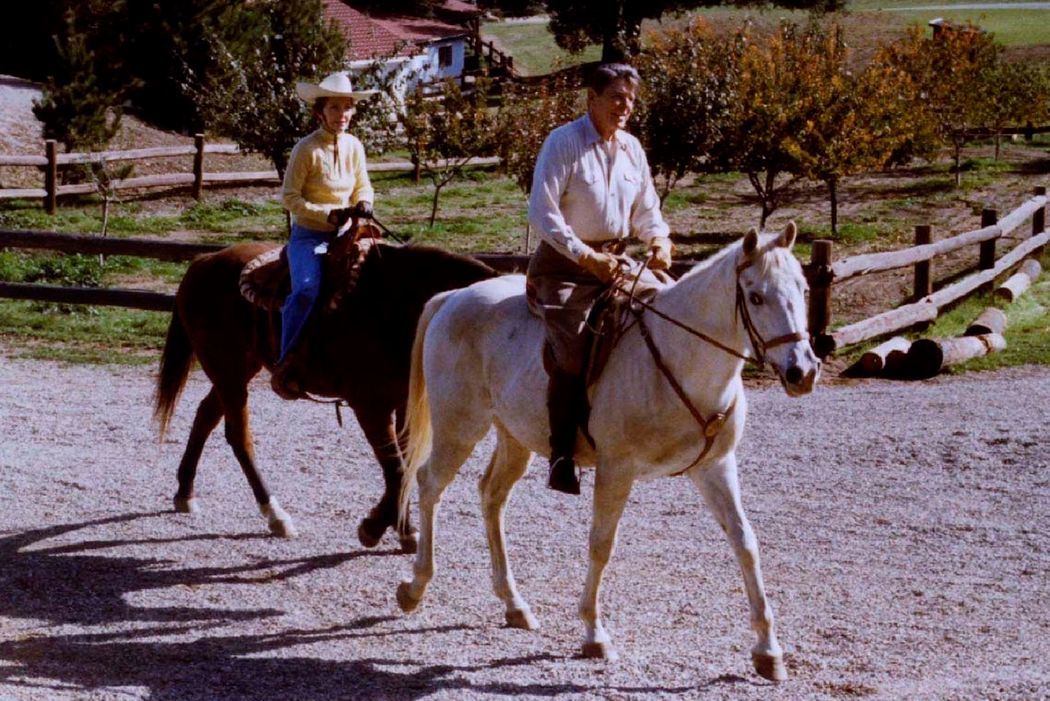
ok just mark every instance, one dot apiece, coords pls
pixel 372 36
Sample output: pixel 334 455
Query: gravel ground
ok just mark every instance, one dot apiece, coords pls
pixel 903 530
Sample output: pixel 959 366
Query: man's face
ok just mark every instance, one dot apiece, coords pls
pixel 611 108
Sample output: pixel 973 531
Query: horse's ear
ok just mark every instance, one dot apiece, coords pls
pixel 750 242
pixel 787 239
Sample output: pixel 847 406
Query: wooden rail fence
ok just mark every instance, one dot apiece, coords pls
pixel 824 272
pixel 197 180
pixel 143 248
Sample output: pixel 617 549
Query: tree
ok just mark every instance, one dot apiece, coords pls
pixel 617 24
pixel 78 107
pixel 248 93
pixel 688 82
pixel 526 116
pixel 853 120
pixel 1019 96
pixel 444 132
pixel 769 108
pixel 953 73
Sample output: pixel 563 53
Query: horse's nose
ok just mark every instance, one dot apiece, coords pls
pixel 793 375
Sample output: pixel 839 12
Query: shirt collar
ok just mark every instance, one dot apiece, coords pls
pixel 591 135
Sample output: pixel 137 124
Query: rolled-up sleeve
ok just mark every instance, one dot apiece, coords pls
pixel 549 180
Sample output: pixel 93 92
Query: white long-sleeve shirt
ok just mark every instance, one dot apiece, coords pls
pixel 584 189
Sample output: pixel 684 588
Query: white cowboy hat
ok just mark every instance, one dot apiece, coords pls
pixel 335 85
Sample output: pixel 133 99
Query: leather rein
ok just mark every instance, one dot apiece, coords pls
pixel 710 426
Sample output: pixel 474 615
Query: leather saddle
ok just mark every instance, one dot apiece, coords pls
pixel 265 280
pixel 611 316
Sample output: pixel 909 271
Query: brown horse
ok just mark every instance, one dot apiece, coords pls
pixel 359 351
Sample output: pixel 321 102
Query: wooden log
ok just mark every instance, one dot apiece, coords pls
pixel 1017 217
pixel 991 320
pixel 927 356
pixel 986 259
pixel 18 193
pixel 198 166
pixel 967 285
pixel 110 246
pixel 923 282
pixel 99 296
pixel 51 177
pixel 888 356
pixel 853 266
pixel 125 155
pixel 14 160
pixel 878 325
pixel 819 275
pixel 1019 281
pixel 245 177
pixel 1039 218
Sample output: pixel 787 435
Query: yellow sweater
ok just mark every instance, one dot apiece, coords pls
pixel 325 172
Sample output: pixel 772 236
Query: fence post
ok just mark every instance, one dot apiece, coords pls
pixel 989 217
pixel 820 291
pixel 51 177
pixel 1039 219
pixel 198 166
pixel 923 283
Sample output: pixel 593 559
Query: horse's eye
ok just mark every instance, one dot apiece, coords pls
pixel 755 298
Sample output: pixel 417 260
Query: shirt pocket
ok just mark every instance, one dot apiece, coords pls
pixel 631 182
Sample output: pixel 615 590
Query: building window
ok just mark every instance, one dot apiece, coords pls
pixel 444 56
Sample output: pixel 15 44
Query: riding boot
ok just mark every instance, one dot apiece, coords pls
pixel 563 406
pixel 285 381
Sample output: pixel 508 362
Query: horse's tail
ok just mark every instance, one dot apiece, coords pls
pixel 418 429
pixel 175 365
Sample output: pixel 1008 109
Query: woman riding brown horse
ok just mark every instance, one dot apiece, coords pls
pixel 358 352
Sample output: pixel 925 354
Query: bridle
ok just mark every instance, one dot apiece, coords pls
pixel 710 426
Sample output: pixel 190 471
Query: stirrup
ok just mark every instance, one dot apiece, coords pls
pixel 563 477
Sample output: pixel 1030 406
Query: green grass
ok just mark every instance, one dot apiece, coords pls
pixel 83 334
pixel 1027 332
pixel 1011 27
pixel 533 47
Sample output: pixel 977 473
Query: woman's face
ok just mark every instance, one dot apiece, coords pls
pixel 336 113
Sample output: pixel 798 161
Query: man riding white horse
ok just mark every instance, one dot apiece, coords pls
pixel 591 190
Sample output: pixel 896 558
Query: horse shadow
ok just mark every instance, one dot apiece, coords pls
pixel 179 653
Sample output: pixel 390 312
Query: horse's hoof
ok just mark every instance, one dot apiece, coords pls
pixel 769 666
pixel 600 651
pixel 283 528
pixel 410 542
pixel 405 600
pixel 367 535
pixel 523 619
pixel 278 520
pixel 186 506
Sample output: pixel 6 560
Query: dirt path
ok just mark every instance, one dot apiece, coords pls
pixel 904 531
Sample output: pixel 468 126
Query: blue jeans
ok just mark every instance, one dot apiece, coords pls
pixel 304 264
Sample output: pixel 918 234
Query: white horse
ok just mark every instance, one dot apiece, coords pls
pixel 477 362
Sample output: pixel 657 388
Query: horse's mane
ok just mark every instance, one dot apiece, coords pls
pixel 766 243
pixel 418 254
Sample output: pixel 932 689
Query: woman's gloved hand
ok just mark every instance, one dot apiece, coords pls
pixel 339 217
pixel 362 210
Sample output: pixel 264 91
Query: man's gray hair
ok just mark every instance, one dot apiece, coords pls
pixel 605 73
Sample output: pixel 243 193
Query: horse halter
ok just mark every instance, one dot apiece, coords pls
pixel 758 344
